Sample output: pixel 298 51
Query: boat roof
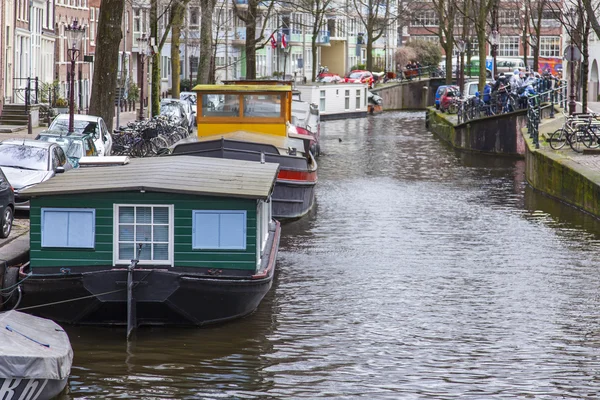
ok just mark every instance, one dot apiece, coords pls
pixel 242 88
pixel 183 174
pixel 79 117
pixel 33 347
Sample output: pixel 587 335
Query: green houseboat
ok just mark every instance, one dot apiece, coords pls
pixel 194 236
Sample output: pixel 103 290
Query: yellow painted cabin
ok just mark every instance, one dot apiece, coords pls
pixel 256 108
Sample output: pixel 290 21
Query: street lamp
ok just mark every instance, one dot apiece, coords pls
pixel 460 46
pixel 533 39
pixel 142 53
pixel 74 34
pixel 494 41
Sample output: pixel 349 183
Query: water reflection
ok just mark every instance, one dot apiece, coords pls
pixel 421 273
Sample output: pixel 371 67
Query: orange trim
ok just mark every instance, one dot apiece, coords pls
pixel 297 175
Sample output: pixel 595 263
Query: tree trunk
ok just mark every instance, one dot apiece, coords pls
pixel 204 64
pixel 481 39
pixel 369 66
pixel 314 48
pixel 155 75
pixel 177 12
pixel 251 40
pixel 104 83
pixel 585 66
pixel 448 49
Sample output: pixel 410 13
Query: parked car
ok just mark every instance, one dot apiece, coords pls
pixel 470 89
pixel 191 99
pixel 86 124
pixel 175 111
pixel 360 76
pixel 74 145
pixel 329 77
pixel 190 112
pixel 447 96
pixel 438 94
pixel 26 162
pixel 7 206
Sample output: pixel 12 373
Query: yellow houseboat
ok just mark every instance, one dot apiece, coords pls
pixel 253 122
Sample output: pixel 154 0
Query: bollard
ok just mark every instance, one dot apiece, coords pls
pixel 551 105
pixel 425 97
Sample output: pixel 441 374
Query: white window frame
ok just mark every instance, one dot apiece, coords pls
pixel 550 46
pixel 357 99
pixel 322 100
pixel 509 46
pixel 92 211
pixel 171 246
pixel 346 99
pixel 244 213
pixel 426 18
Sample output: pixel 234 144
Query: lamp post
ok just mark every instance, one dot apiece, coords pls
pixel 143 52
pixel 74 34
pixel 533 39
pixel 571 17
pixel 494 41
pixel 460 46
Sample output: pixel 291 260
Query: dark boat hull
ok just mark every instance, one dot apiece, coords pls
pixel 31 389
pixel 294 192
pixel 174 296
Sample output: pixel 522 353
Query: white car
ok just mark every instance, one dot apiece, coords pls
pixel 190 113
pixel 86 124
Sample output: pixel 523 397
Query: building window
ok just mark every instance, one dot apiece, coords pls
pixel 358 99
pixel 509 46
pixel 322 101
pixel 148 226
pixel 550 46
pixel 427 38
pixel 347 99
pixel 426 18
pixel 219 230
pixel 508 17
pixel 137 20
pixel 68 227
pixel 194 17
pixel 92 25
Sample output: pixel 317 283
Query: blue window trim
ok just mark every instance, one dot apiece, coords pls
pixel 79 210
pixel 241 212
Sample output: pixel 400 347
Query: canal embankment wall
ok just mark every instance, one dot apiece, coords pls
pixel 570 177
pixel 411 95
pixel 497 134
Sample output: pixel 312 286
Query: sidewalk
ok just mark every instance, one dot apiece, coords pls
pixel 21 131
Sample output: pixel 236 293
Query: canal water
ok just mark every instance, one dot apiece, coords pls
pixel 422 273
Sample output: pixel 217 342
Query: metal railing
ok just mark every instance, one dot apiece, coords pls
pixel 506 101
pixel 26 90
pixel 537 103
pixel 429 71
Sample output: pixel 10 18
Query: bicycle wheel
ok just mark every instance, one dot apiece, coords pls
pixel 595 136
pixel 576 139
pixel 558 139
pixel 452 108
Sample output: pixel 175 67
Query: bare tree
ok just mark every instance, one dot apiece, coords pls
pixel 445 12
pixel 375 16
pixel 250 17
pixel 206 39
pixel 104 84
pixel 177 18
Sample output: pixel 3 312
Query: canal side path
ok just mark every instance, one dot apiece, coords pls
pixel 564 174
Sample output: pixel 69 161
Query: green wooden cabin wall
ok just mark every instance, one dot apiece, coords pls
pixel 102 254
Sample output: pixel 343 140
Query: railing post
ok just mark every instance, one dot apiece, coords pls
pixel 36 90
pixel 552 104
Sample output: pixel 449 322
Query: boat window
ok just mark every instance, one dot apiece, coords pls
pixel 68 227
pixel 262 105
pixel 219 229
pixel 220 105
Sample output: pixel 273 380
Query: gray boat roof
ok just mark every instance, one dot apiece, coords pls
pixel 33 347
pixel 172 174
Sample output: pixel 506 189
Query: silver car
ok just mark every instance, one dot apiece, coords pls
pixel 27 162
